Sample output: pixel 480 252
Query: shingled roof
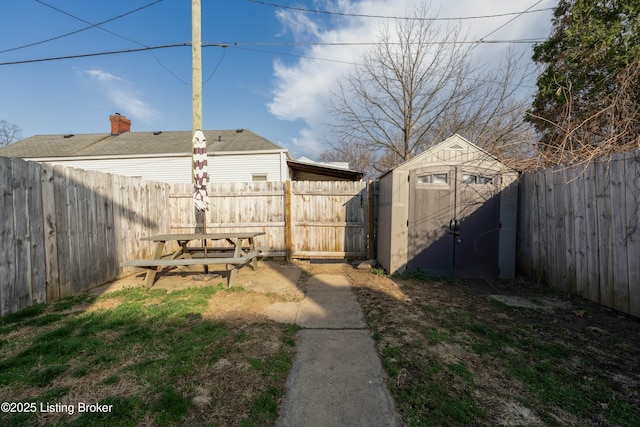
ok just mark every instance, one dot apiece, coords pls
pixel 135 144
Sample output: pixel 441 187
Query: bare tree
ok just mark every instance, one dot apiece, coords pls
pixel 414 90
pixel 9 133
pixel 613 126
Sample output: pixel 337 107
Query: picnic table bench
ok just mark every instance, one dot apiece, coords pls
pixel 233 256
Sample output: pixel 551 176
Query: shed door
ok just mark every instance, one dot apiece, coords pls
pixel 454 221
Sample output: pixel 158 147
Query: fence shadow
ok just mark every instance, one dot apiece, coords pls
pixel 66 230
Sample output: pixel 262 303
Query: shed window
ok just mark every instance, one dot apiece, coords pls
pixel 436 178
pixel 258 177
pixel 476 179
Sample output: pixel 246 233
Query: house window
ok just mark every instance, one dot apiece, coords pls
pixel 436 178
pixel 259 177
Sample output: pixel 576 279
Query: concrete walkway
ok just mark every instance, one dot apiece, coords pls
pixel 337 377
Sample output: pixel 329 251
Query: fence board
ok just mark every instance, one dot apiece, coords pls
pixel 550 222
pixel 83 254
pixel 75 194
pixel 36 235
pixel 569 229
pixel 49 204
pixel 22 217
pixel 577 198
pixel 541 204
pixel 620 282
pixel 531 249
pixel 62 235
pixel 523 245
pixel 605 232
pixel 632 196
pixel 559 248
pixel 91 242
pixel 8 301
pixel 592 287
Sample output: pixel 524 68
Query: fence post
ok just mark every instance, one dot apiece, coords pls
pixel 288 221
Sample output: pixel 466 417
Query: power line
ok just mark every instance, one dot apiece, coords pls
pixel 518 15
pixel 87 55
pixel 80 30
pixel 407 18
pixel 224 52
pixel 240 45
pixel 98 26
pixel 306 44
pixel 273 52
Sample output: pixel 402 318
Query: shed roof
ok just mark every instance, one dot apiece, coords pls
pixel 453 150
pixel 136 144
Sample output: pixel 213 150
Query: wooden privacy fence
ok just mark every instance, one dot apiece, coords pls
pixel 301 219
pixel 66 230
pixel 234 207
pixel 579 230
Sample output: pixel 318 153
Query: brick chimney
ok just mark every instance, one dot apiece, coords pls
pixel 119 124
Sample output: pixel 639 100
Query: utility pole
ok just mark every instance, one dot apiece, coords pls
pixel 196 100
pixel 196 65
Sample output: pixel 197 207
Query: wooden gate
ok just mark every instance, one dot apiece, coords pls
pixel 327 219
pixel 454 221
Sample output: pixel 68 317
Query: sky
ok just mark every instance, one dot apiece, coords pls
pixel 269 66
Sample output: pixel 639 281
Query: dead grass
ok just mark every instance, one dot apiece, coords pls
pixel 455 356
pixel 452 355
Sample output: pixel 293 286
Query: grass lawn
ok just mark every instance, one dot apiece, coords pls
pixel 152 358
pixel 456 357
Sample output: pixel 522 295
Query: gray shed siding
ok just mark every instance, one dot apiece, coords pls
pixel 395 249
pixel 393 215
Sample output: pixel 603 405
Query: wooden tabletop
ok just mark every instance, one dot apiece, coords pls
pixel 202 236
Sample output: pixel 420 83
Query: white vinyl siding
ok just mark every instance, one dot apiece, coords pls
pixel 226 168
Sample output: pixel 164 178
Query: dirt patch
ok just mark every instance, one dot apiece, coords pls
pixel 243 305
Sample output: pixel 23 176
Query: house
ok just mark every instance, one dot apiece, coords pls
pixel 237 155
pixel 233 155
pixel 449 211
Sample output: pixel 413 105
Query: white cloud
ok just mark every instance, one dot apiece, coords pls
pixel 101 75
pixel 130 103
pixel 302 89
pixel 123 96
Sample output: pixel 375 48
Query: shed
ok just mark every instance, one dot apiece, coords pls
pixel 450 211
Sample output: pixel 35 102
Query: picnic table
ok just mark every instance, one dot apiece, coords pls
pixel 240 250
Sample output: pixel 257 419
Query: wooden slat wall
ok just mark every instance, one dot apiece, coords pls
pixel 234 207
pixel 581 233
pixel 329 219
pixel 65 230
